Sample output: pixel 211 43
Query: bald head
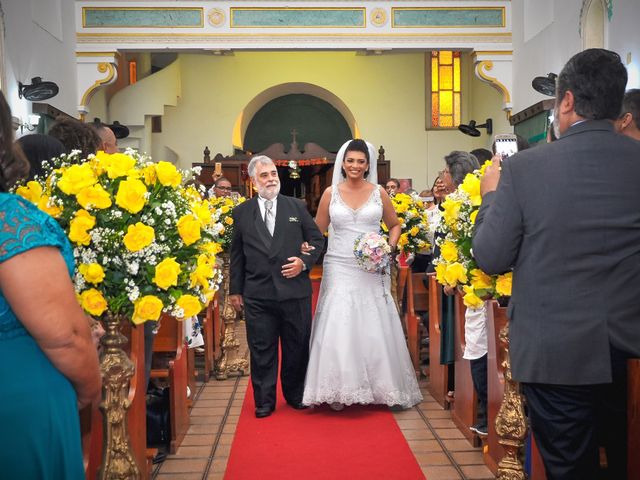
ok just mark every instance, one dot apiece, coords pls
pixel 108 138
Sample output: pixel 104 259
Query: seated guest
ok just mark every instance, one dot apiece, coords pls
pixel 392 186
pixel 221 188
pixel 108 140
pixel 38 148
pixel 48 364
pixel 628 123
pixel 576 269
pixel 76 135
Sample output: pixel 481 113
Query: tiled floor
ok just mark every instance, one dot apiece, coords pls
pixel 439 447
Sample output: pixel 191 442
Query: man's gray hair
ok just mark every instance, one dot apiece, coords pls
pixel 263 159
pixel 459 164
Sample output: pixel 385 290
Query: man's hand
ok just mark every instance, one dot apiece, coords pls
pixel 489 182
pixel 293 269
pixel 236 302
pixel 449 290
pixel 306 248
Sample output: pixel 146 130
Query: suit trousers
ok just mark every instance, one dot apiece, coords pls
pixel 270 321
pixel 571 422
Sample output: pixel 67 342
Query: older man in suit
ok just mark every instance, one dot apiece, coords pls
pixel 566 217
pixel 271 280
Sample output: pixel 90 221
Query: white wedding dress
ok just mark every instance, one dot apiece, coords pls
pixel 358 349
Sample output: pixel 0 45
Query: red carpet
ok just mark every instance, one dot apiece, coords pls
pixel 360 442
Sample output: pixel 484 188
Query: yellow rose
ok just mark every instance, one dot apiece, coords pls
pixel 203 213
pixel 149 174
pixel 167 272
pixel 455 274
pixel 101 162
pixel 480 280
pixel 449 251
pixel 473 215
pixel 201 275
pixel 225 209
pixel 441 269
pixel 504 284
pixel 93 302
pixel 212 248
pixel 470 299
pixel 189 229
pixel 131 195
pixel 484 167
pixel 190 305
pixel 77 177
pixel 79 227
pixel 414 231
pixel 92 272
pixel 119 165
pixel 451 210
pixel 168 174
pixel 138 236
pixel 94 196
pixel 32 191
pixel 403 241
pixel 146 308
pixel 471 185
pixel 228 220
pixel 46 205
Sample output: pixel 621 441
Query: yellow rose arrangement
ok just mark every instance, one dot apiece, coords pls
pixel 221 208
pixel 412 214
pixel 143 243
pixel 456 267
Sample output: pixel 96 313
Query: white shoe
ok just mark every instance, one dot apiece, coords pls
pixel 335 406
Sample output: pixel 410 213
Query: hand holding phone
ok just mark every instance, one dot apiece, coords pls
pixel 506 144
pixel 218 168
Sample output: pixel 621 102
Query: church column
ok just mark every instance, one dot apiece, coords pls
pixel 95 69
pixel 496 69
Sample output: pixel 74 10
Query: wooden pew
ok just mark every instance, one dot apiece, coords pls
pixel 633 419
pixel 496 320
pixel 417 300
pixel 466 401
pixel 91 420
pixel 438 374
pixel 208 336
pixel 170 339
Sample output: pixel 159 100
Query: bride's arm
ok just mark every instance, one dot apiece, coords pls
pixel 322 215
pixel 390 218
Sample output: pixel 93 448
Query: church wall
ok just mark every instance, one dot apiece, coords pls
pixel 552 36
pixel 40 41
pixel 385 94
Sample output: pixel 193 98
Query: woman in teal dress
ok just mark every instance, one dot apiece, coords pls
pixel 48 364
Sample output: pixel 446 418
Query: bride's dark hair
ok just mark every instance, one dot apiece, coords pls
pixel 357 145
pixel 13 165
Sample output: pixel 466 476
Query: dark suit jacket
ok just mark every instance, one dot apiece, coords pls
pixel 566 217
pixel 257 258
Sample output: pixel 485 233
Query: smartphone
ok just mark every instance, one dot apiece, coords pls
pixel 506 144
pixel 218 168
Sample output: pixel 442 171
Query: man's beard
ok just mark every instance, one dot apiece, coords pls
pixel 269 193
pixel 556 121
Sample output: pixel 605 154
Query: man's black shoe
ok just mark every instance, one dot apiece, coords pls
pixel 299 406
pixel 263 412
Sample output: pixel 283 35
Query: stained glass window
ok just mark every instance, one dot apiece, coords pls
pixel 445 89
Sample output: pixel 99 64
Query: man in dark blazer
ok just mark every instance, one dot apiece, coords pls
pixel 566 217
pixel 270 279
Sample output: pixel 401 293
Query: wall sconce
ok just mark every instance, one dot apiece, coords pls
pixel 30 124
pixel 472 128
pixel 545 85
pixel 38 90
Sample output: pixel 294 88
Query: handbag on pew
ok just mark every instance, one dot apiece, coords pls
pixel 158 417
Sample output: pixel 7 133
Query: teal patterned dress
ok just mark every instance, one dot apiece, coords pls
pixel 39 426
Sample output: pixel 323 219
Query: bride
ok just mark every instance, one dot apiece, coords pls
pixel 358 349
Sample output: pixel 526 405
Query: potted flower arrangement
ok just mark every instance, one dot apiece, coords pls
pixel 456 267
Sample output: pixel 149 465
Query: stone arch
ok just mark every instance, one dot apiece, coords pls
pixel 281 90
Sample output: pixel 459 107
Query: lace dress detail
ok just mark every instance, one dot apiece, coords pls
pixel 40 434
pixel 358 349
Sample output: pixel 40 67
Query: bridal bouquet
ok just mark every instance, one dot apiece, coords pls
pixel 372 252
pixel 143 243
pixel 456 267
pixel 221 208
pixel 412 214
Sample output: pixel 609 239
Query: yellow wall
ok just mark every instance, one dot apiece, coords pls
pixel 385 94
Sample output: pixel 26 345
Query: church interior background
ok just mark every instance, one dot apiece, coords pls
pixel 240 77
